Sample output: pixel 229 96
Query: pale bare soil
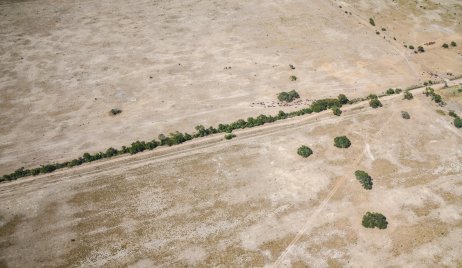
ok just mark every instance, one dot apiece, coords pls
pixel 251 201
pixel 65 64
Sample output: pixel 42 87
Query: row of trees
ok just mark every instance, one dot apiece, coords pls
pixel 177 138
pixel 435 97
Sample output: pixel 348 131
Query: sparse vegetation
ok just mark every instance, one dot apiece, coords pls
pixel 458 122
pixel 115 111
pixel 288 96
pixel 304 151
pixel 342 142
pixel 411 47
pixel 408 95
pixel 372 22
pixel 405 115
pixel 373 219
pixel 420 49
pixel 435 97
pixel 375 103
pixel 453 114
pixel 229 136
pixel 390 91
pixel 445 45
pixel 342 99
pixel 292 67
pixel 364 179
pixel 453 44
pixel 293 78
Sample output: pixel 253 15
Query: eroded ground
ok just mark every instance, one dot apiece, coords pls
pixel 65 64
pixel 253 202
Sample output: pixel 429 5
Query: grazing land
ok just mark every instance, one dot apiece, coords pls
pixel 84 76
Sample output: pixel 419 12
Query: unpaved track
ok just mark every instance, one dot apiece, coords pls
pixel 127 162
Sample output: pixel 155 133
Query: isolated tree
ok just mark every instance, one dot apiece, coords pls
pixel 458 122
pixel 342 142
pixel 374 219
pixel 304 151
pixel 364 179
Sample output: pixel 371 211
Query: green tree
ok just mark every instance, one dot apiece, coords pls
pixel 390 91
pixel 408 95
pixel 364 179
pixel 374 219
pixel 304 151
pixel 229 136
pixel 375 103
pixel 342 142
pixel 343 99
pixel 336 111
pixel 458 122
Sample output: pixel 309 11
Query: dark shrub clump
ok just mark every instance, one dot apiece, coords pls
pixel 373 219
pixel 304 151
pixel 364 179
pixel 342 142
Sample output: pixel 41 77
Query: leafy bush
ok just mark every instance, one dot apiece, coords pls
pixel 405 115
pixel 398 90
pixel 364 179
pixel 458 122
pixel 411 47
pixel 304 151
pixel 324 104
pixel 115 111
pixel 373 219
pixel 342 99
pixel 390 91
pixel 288 96
pixel 293 78
pixel 372 22
pixel 454 44
pixel 408 95
pixel 342 142
pixel 229 136
pixel 375 103
pixel 336 111
pixel 445 45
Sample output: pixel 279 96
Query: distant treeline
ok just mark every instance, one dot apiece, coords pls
pixel 178 138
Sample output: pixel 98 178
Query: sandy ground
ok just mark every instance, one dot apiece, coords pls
pixel 65 64
pixel 253 202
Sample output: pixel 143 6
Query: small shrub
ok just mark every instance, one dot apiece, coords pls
pixel 458 122
pixel 288 96
pixel 445 45
pixel 364 179
pixel 408 95
pixel 336 111
pixel 420 49
pixel 304 151
pixel 115 111
pixel 375 103
pixel 398 90
pixel 390 91
pixel 342 99
pixel 440 112
pixel 453 44
pixel 291 67
pixel 342 142
pixel 411 47
pixel 383 29
pixel 293 78
pixel 373 219
pixel 372 22
pixel 229 136
pixel 405 115
pixel 453 114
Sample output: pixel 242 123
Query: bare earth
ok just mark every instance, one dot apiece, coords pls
pixel 247 202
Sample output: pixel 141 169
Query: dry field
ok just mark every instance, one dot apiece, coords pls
pixel 247 202
pixel 65 64
pixel 253 201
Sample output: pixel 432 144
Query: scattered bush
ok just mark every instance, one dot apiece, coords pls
pixel 364 179
pixel 373 219
pixel 435 97
pixel 342 142
pixel 420 49
pixel 304 151
pixel 375 103
pixel 372 22
pixel 229 136
pixel 115 111
pixel 293 78
pixel 408 95
pixel 390 91
pixel 383 29
pixel 291 67
pixel 336 111
pixel 453 44
pixel 288 96
pixel 445 45
pixel 405 115
pixel 411 47
pixel 458 122
pixel 398 90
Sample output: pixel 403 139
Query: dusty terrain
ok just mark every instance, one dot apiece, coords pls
pixel 65 64
pixel 253 201
pixel 247 202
